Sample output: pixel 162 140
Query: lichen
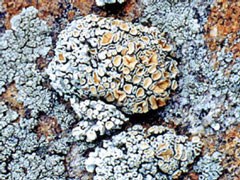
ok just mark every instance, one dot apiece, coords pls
pixel 20 150
pixel 209 167
pixel 139 153
pixel 21 46
pixel 36 124
pixel 96 118
pixel 208 95
pixel 124 64
pixel 25 151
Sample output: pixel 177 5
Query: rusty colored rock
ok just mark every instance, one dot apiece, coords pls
pixel 85 6
pixel 48 10
pixel 193 176
pixel 48 127
pixel 227 143
pixel 224 24
pixel 71 15
pixel 231 147
pixel 10 96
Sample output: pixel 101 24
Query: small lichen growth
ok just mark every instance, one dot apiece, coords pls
pixel 96 118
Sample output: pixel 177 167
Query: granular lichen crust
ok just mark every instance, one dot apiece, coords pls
pixel 124 64
pixel 19 49
pixel 29 147
pixel 139 153
pixel 96 117
pixel 209 167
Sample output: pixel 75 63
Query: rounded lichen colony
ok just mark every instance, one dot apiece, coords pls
pixel 122 63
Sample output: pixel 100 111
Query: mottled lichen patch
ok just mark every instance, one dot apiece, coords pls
pixel 75 161
pixel 139 153
pixel 208 167
pixel 125 64
pixel 223 26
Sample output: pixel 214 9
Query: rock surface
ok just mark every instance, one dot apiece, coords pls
pixel 36 123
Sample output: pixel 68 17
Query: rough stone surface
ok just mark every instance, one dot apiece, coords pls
pixel 48 10
pixel 223 27
pixel 36 124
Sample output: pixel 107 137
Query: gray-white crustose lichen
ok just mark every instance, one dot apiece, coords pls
pixel 24 155
pixel 27 40
pixel 105 2
pixel 20 150
pixel 124 64
pixel 96 118
pixel 208 94
pixel 139 153
pixel 31 92
pixel 209 167
pixel 206 98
